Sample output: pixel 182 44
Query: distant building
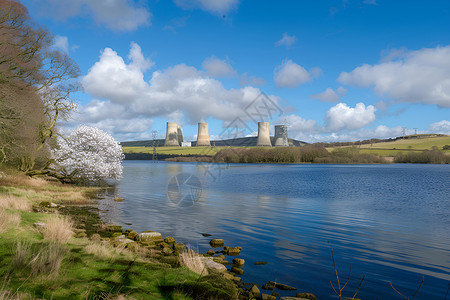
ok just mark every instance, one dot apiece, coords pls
pixel 186 144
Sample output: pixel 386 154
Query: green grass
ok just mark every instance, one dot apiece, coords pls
pixel 416 144
pixel 207 151
pixel 83 275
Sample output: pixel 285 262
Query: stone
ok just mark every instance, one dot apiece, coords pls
pixel 117 234
pixel 149 235
pixel 169 240
pixel 237 270
pixel 132 235
pixel 167 251
pixel 270 286
pixel 211 252
pixel 213 266
pixel 258 263
pixel 306 296
pixel 233 251
pixel 216 243
pixel 284 287
pixel 238 261
pixel 118 199
pixel 179 247
pixel 40 225
pixel 293 298
pixel 268 297
pixel 206 234
pixel 255 291
pixel 219 257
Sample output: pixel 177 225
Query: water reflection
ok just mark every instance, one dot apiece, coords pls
pixel 388 222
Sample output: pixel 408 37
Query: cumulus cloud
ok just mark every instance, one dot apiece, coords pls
pixel 342 117
pixel 421 76
pixel 329 95
pixel 218 68
pixel 62 43
pixel 216 7
pixel 290 75
pixel 179 91
pixel 251 80
pixel 442 127
pixel 124 15
pixel 287 40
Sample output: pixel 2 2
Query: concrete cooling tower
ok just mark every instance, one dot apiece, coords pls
pixel 203 135
pixel 180 135
pixel 263 135
pixel 281 136
pixel 171 134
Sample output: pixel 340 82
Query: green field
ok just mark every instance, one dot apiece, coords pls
pixel 416 143
pixel 404 145
pixel 208 151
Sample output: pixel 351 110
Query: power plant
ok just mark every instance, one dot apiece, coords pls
pixel 171 135
pixel 203 135
pixel 174 137
pixel 281 136
pixel 263 135
pixel 180 135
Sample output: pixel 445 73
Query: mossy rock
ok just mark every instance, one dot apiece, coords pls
pixel 179 247
pixel 167 251
pixel 233 251
pixel 211 252
pixel 237 270
pixel 132 235
pixel 169 240
pixel 216 243
pixel 149 235
pixel 118 199
pixel 116 234
pixel 306 296
pixel 238 261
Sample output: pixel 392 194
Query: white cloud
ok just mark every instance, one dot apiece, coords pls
pixel 329 95
pixel 216 7
pixel 290 75
pixel 123 15
pixel 180 91
pixel 218 68
pixel 442 127
pixel 62 43
pixel 251 80
pixel 421 76
pixel 342 117
pixel 287 40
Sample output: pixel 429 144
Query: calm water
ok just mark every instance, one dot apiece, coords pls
pixel 390 222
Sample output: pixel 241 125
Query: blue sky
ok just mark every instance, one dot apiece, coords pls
pixel 338 70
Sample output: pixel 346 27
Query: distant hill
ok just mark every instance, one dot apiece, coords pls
pixel 238 142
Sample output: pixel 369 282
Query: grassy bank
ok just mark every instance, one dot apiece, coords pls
pixel 206 151
pixel 54 246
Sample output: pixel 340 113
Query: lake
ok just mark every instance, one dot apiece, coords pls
pixel 390 223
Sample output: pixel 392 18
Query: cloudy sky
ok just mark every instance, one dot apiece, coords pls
pixel 335 70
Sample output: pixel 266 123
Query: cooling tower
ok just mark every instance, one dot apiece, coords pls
pixel 263 135
pixel 171 134
pixel 203 135
pixel 180 135
pixel 281 136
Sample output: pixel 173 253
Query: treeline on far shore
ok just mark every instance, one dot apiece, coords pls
pixel 306 154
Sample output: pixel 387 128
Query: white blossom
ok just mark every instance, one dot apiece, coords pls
pixel 89 153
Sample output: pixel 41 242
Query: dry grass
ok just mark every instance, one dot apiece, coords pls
pixel 8 220
pixel 101 250
pixel 20 180
pixel 10 201
pixel 45 259
pixel 193 262
pixel 58 228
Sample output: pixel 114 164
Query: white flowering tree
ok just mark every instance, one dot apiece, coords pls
pixel 89 154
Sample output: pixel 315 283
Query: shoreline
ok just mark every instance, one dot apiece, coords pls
pixel 91 246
